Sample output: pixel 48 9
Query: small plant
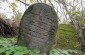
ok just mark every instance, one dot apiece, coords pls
pixel 61 52
pixel 8 47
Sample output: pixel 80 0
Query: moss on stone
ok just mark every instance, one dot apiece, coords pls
pixel 66 37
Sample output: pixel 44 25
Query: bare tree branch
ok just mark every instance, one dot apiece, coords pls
pixel 23 2
pixel 51 3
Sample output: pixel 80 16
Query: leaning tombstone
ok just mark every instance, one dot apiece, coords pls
pixel 38 28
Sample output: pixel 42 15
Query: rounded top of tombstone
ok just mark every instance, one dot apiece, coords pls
pixel 39 8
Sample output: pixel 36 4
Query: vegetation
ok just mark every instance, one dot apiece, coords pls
pixel 66 37
pixel 8 47
pixel 66 40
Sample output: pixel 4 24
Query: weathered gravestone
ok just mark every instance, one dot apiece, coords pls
pixel 38 27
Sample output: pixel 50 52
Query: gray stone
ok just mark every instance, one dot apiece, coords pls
pixel 38 27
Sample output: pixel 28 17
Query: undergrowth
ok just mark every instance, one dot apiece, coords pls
pixel 8 47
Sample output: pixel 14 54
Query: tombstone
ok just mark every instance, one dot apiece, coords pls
pixel 38 28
